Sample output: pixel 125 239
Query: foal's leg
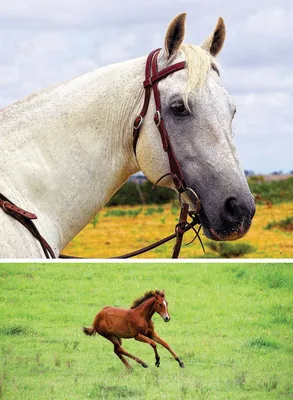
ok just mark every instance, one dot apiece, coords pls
pixel 120 352
pixel 117 344
pixel 138 360
pixel 145 339
pixel 157 339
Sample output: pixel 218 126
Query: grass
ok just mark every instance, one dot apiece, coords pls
pixel 230 323
pixel 114 236
pixel 285 224
pixel 154 210
pixel 275 192
pixel 231 250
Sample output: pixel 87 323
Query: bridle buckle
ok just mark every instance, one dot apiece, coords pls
pixel 137 122
pixel 197 200
pixel 157 118
pixel 4 206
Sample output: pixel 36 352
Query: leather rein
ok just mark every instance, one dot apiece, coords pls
pixel 152 78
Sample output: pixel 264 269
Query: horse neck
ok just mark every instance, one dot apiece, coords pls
pixel 146 310
pixel 69 148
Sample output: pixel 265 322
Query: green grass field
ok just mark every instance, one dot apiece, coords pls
pixel 231 324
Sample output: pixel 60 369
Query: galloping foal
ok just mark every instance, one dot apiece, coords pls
pixel 115 324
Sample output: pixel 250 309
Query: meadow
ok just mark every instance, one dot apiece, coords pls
pixel 121 229
pixel 230 323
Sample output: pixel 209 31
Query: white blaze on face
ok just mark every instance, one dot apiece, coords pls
pixel 166 312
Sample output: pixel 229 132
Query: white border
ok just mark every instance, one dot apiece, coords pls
pixel 150 261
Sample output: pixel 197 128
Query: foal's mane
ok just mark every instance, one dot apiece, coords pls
pixel 150 293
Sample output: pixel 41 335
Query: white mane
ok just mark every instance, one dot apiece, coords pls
pixel 198 62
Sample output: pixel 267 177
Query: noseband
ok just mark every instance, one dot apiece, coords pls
pixel 152 78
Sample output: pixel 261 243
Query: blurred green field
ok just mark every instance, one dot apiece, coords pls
pixel 231 324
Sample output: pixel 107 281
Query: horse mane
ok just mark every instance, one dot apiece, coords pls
pixel 198 62
pixel 147 295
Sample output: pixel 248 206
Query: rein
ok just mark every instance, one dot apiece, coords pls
pixel 152 77
pixel 25 218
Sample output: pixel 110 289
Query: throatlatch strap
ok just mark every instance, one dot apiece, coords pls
pixel 152 77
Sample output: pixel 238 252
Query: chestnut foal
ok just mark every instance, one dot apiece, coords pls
pixel 115 324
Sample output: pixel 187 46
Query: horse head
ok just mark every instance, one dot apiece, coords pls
pixel 161 305
pixel 198 112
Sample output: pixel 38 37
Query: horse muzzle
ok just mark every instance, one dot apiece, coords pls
pixel 233 222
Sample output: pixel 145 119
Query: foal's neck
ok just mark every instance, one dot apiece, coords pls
pixel 70 148
pixel 147 309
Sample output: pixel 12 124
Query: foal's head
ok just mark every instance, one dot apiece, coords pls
pixel 161 305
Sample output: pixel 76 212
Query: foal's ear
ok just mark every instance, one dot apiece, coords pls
pixel 174 35
pixel 214 42
pixel 163 293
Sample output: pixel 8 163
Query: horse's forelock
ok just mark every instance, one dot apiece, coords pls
pixel 198 62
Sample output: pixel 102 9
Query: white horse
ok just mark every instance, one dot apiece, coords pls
pixel 67 149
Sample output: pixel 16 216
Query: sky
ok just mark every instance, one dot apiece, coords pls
pixel 44 42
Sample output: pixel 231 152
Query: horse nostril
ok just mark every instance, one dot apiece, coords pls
pixel 233 208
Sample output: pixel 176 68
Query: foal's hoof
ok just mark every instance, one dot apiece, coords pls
pixel 157 364
pixel 144 365
pixel 181 364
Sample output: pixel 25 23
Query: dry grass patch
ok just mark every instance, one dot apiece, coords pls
pixel 122 229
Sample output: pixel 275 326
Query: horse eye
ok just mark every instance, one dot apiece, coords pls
pixel 179 109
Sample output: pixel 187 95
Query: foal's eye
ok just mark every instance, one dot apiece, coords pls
pixel 179 109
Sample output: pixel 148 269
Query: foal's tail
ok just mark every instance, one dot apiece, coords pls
pixel 89 331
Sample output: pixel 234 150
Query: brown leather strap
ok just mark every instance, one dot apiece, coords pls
pixel 152 77
pixel 8 206
pixel 174 165
pixel 147 95
pixel 157 76
pixel 25 218
pixel 180 230
pixel 182 227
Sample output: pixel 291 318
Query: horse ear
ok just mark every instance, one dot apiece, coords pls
pixel 214 42
pixel 174 35
pixel 163 293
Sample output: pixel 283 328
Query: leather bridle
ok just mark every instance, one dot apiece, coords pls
pixel 152 78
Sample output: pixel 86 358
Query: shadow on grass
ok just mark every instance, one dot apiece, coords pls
pixel 16 330
pixel 263 343
pixel 112 391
